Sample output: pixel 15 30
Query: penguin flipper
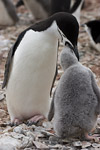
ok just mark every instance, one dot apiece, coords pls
pixel 51 111
pixel 54 80
pixel 98 39
pixel 97 92
pixel 9 59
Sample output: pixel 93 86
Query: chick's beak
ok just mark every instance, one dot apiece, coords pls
pixel 76 52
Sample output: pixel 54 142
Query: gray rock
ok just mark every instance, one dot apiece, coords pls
pixel 7 147
pixel 1 97
pixel 2 113
pixel 18 130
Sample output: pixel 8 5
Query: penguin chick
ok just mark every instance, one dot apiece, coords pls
pixel 30 69
pixel 76 101
pixel 8 14
pixel 93 30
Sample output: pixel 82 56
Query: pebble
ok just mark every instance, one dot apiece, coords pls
pixel 17 135
pixel 85 144
pixel 8 129
pixel 84 149
pixel 40 145
pixel 77 143
pixel 26 143
pixel 1 97
pixel 31 135
pixel 47 125
pixel 7 147
pixel 18 130
pixel 28 149
pixel 95 145
pixel 2 113
pixel 47 134
pixel 4 43
pixel 53 140
pixel 7 139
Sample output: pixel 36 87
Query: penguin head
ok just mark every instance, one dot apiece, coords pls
pixel 64 40
pixel 68 57
pixel 93 28
pixel 65 22
pixel 69 28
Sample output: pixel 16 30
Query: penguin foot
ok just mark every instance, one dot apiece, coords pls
pixel 35 119
pixel 91 137
pixel 16 122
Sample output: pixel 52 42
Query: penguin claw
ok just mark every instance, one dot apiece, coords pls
pixel 91 137
pixel 15 122
pixel 34 120
pixel 29 123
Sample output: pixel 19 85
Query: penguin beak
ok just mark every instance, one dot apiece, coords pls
pixel 74 48
pixel 62 36
pixel 76 52
pixel 64 39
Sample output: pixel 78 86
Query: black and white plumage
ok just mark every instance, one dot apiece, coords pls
pixel 44 8
pixel 70 6
pixel 8 14
pixel 31 65
pixel 93 30
pixel 76 101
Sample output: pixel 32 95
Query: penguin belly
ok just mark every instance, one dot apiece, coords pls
pixel 31 76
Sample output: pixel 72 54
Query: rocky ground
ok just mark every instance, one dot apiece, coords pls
pixel 25 137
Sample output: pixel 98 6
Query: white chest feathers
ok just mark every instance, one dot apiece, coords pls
pixel 32 72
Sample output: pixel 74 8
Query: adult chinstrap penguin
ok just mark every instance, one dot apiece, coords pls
pixel 70 6
pixel 45 8
pixel 31 66
pixel 76 101
pixel 93 30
